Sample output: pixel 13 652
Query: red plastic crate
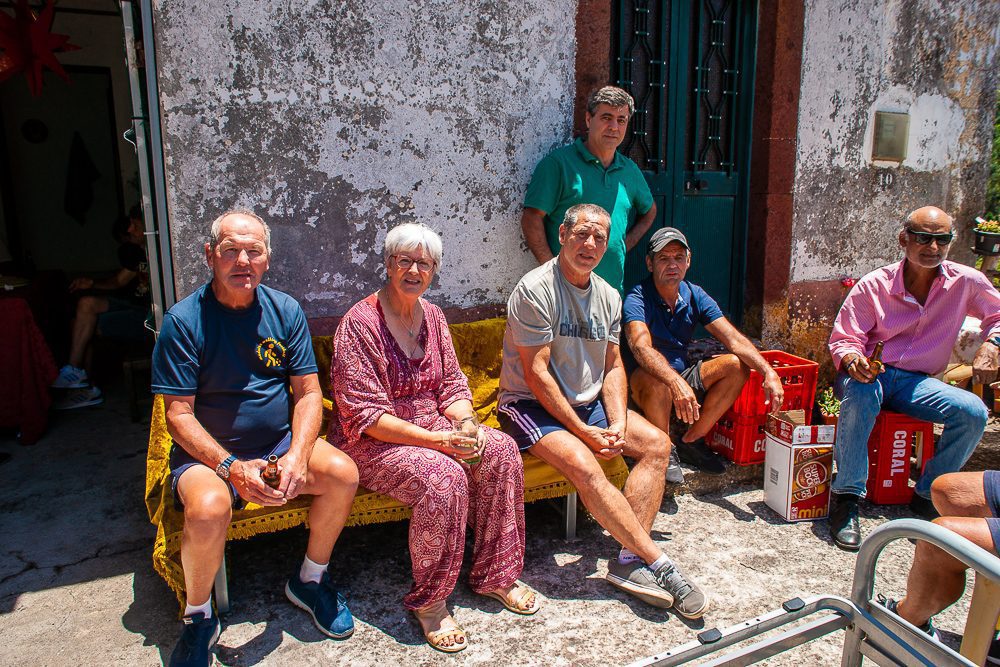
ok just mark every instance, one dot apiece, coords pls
pixel 798 376
pixel 739 439
pixel 894 440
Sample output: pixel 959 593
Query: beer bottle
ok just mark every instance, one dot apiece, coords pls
pixel 875 361
pixel 270 472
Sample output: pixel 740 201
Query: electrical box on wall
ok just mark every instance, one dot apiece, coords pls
pixel 891 132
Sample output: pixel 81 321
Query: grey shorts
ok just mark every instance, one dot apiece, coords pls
pixel 692 375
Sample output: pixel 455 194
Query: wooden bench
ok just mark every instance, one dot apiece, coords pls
pixel 479 346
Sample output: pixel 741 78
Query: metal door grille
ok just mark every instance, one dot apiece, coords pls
pixel 715 86
pixel 643 70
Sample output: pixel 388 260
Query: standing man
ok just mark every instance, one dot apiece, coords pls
pixel 225 360
pixel 563 396
pixel 916 307
pixel 591 171
pixel 660 316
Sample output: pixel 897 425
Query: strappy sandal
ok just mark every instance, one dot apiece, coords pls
pixel 520 592
pixel 435 637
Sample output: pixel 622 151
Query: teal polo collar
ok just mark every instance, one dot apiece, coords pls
pixel 589 157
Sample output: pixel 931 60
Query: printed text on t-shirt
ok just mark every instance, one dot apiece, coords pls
pixel 589 330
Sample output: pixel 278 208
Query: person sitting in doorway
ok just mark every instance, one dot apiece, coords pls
pixel 117 311
pixel 660 317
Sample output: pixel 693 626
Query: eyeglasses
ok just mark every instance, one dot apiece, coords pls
pixel 924 238
pixel 405 263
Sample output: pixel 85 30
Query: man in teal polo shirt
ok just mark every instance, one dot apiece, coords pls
pixel 591 171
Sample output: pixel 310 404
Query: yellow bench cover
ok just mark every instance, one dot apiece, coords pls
pixel 478 345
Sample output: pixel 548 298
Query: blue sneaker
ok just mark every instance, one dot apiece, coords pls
pixel 326 605
pixel 194 648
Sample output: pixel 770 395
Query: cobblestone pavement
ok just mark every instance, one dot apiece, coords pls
pixel 77 585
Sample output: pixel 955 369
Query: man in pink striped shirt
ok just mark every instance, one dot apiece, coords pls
pixel 916 308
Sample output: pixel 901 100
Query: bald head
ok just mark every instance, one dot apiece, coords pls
pixel 926 237
pixel 928 217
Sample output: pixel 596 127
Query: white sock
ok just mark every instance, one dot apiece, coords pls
pixel 660 562
pixel 199 608
pixel 311 571
pixel 625 557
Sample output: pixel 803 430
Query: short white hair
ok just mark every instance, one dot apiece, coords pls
pixel 213 235
pixel 410 236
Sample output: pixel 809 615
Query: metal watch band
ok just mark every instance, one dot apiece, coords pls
pixel 225 466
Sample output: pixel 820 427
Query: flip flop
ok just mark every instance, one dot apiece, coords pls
pixel 435 637
pixel 520 592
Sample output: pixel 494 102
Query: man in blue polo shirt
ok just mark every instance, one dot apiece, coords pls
pixel 660 317
pixel 591 171
pixel 225 360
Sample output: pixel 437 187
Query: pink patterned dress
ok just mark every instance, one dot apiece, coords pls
pixel 372 376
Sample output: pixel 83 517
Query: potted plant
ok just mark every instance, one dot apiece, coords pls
pixel 987 236
pixel 829 406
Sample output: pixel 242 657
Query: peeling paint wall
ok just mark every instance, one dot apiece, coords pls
pixel 336 121
pixel 936 61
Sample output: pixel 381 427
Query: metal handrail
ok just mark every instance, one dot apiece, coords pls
pixel 954 544
pixel 982 561
pixel 871 629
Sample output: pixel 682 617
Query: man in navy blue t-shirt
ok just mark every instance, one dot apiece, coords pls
pixel 660 316
pixel 225 360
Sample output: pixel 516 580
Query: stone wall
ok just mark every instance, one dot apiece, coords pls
pixel 338 120
pixel 936 61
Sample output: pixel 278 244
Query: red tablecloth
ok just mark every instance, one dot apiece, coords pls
pixel 27 368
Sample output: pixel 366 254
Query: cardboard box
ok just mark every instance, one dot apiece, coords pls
pixel 798 465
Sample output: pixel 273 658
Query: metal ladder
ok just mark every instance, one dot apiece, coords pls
pixel 870 629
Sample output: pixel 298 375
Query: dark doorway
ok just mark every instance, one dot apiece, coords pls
pixel 690 66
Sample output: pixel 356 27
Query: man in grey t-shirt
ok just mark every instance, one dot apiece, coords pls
pixel 563 396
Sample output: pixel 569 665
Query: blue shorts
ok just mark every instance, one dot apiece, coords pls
pixel 991 489
pixel 180 461
pixel 528 422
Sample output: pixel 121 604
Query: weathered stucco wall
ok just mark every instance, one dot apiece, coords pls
pixel 936 61
pixel 338 120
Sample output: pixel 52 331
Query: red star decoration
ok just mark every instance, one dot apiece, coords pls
pixel 29 45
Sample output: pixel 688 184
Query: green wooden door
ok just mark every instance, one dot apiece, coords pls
pixel 689 64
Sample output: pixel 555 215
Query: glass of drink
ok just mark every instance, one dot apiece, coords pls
pixel 465 435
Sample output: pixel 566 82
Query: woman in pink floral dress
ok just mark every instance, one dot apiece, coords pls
pixel 397 386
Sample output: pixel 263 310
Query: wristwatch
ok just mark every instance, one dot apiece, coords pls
pixel 995 340
pixel 222 470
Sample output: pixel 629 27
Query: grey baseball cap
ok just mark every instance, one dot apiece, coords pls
pixel 664 236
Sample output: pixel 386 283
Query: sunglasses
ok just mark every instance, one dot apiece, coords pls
pixel 924 238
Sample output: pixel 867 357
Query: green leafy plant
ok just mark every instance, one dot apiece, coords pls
pixel 828 403
pixel 991 226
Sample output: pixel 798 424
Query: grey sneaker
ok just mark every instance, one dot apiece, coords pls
pixel 928 627
pixel 675 475
pixel 79 398
pixel 638 580
pixel 689 600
